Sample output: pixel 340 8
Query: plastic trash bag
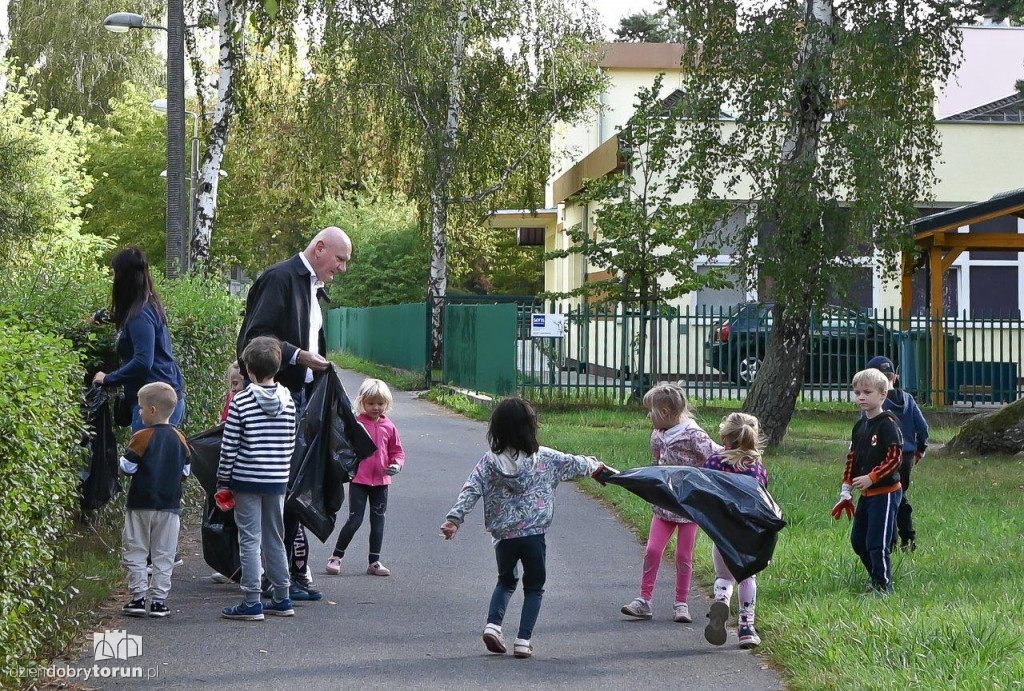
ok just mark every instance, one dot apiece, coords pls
pixel 739 515
pixel 328 448
pixel 99 480
pixel 219 531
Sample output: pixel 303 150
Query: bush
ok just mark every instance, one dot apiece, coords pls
pixel 39 462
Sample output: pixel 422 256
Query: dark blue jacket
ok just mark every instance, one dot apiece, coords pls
pixel 144 346
pixel 158 460
pixel 911 421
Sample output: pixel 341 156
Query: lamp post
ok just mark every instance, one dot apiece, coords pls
pixel 120 22
pixel 160 105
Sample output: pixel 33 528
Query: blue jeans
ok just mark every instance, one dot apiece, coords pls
pixel 176 417
pixel 532 552
pixel 872 534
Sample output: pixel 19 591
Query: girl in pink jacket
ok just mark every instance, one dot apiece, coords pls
pixel 676 440
pixel 373 477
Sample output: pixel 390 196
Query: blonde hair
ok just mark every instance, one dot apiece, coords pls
pixel 159 395
pixel 373 389
pixel 668 397
pixel 872 377
pixel 743 433
pixel 233 369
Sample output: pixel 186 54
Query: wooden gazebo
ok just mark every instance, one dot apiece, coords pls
pixel 939 243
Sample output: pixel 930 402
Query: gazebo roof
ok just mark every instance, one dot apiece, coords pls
pixel 1010 203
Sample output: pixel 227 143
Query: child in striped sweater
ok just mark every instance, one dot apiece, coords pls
pixel 255 458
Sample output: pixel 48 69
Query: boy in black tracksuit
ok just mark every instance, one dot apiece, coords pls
pixel 872 466
pixel 914 428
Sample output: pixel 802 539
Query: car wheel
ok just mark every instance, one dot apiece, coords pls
pixel 747 369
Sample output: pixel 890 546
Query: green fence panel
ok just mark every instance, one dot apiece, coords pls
pixel 390 335
pixel 480 347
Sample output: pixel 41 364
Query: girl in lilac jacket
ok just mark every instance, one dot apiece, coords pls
pixel 373 477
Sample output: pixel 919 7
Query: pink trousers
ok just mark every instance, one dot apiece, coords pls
pixel 657 541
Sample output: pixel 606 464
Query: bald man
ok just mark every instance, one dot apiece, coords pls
pixel 283 303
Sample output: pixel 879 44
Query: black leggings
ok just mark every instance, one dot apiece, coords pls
pixel 357 497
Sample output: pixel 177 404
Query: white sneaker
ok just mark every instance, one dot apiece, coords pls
pixel 522 648
pixel 639 608
pixel 494 640
pixel 218 577
pixel 681 613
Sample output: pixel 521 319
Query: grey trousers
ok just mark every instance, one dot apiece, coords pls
pixel 260 519
pixel 149 533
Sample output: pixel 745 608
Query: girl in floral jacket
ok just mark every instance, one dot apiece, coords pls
pixel 517 480
pixel 676 440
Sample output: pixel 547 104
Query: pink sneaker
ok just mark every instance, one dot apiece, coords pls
pixel 378 569
pixel 334 566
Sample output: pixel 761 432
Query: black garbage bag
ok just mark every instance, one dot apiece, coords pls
pixel 220 540
pixel 739 515
pixel 99 480
pixel 328 448
pixel 219 531
pixel 206 457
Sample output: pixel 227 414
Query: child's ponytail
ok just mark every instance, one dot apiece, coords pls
pixel 742 433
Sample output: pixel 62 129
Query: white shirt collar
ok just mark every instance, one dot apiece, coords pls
pixel 317 283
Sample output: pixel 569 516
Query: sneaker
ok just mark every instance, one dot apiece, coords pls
pixel 158 609
pixel 714 632
pixel 135 608
pixel 748 637
pixel 302 589
pixel 178 561
pixel 333 566
pixel 244 612
pixel 279 609
pixel 639 608
pixel 218 577
pixel 378 569
pixel 522 648
pixel 493 639
pixel 681 613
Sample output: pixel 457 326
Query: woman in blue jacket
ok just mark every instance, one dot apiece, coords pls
pixel 143 341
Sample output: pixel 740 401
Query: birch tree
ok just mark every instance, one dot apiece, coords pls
pixel 472 87
pixel 833 105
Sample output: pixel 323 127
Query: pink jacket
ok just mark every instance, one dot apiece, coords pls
pixel 684 444
pixel 389 450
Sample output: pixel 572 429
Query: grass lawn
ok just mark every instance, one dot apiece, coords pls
pixel 955 619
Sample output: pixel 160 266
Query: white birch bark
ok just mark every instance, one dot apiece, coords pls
pixel 230 22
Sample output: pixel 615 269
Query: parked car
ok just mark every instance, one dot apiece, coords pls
pixel 841 342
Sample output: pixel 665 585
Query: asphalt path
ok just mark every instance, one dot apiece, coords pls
pixel 420 628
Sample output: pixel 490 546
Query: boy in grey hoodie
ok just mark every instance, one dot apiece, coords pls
pixel 915 443
pixel 517 480
pixel 255 459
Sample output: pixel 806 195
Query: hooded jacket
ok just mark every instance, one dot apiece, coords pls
pixel 373 470
pixel 912 423
pixel 683 444
pixel 258 441
pixel 519 491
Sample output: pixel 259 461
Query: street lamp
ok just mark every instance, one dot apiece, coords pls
pixel 160 106
pixel 120 22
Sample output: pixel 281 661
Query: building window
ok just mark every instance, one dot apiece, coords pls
pixel 994 292
pixel 1003 224
pixel 950 293
pixel 715 299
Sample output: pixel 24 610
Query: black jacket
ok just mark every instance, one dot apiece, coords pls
pixel 278 305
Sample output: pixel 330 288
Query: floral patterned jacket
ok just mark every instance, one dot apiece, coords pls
pixel 519 491
pixel 684 444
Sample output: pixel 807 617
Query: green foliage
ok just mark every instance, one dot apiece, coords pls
pixel 76 65
pixel 41 175
pixel 39 464
pixel 127 202
pixel 643 237
pixel 389 260
pixel 659 26
pixel 203 319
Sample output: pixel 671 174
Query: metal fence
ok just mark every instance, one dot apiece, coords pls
pixel 618 351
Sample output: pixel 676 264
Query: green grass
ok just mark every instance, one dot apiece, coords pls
pixel 954 621
pixel 395 377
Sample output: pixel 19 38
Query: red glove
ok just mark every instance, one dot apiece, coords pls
pixel 841 506
pixel 225 499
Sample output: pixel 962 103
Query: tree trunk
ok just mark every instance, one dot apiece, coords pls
pixel 437 283
pixel 772 398
pixel 1001 431
pixel 230 22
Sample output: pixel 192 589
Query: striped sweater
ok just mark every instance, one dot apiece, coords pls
pixel 259 438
